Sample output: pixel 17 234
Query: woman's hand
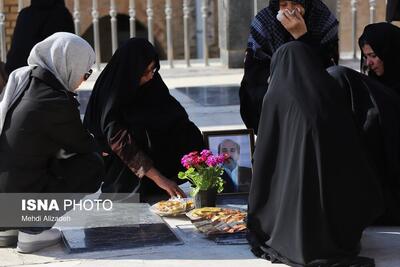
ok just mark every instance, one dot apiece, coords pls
pixel 294 23
pixel 170 186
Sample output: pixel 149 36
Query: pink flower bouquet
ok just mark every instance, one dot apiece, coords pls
pixel 203 170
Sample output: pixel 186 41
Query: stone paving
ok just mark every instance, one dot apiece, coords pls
pixel 381 243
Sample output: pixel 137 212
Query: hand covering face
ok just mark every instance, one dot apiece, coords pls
pixel 268 34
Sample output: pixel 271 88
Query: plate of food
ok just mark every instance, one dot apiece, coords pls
pixel 173 207
pixel 203 213
pixel 213 220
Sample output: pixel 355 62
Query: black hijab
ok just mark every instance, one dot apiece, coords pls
pixel 393 10
pixel 376 112
pixel 312 192
pixel 117 96
pixel 46 3
pixel 34 24
pixel 384 39
pixel 268 34
pixel 151 120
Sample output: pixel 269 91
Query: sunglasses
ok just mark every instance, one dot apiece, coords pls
pixel 87 75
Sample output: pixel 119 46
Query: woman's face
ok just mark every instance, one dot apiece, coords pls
pixel 148 73
pixel 84 78
pixel 291 6
pixel 373 62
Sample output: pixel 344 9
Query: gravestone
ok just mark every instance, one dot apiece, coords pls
pixel 128 225
pixel 212 95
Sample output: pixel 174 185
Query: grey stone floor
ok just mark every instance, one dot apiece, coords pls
pixel 206 117
pixel 381 243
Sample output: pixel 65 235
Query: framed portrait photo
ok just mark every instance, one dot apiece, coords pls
pixel 239 145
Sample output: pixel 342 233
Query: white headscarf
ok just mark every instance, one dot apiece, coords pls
pixel 67 56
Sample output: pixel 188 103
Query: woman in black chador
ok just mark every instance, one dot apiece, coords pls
pixel 35 23
pixel 375 103
pixel 140 127
pixel 376 113
pixel 315 184
pixel 393 10
pixel 380 44
pixel 307 21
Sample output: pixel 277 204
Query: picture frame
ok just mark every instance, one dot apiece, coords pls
pixel 239 145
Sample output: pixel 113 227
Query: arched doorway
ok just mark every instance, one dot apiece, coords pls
pixel 123 35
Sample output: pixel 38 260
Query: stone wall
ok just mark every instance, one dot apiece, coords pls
pixel 159 23
pixel 11 10
pixel 362 20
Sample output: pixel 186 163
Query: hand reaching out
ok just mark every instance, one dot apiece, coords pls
pixel 170 186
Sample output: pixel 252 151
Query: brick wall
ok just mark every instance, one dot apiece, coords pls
pixel 159 24
pixel 11 11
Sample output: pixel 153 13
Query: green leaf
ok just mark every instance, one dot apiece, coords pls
pixel 195 191
pixel 181 175
pixel 204 178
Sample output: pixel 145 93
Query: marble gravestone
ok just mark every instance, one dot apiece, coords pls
pixel 204 95
pixel 212 95
pixel 120 229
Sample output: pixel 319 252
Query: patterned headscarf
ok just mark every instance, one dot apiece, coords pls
pixel 268 34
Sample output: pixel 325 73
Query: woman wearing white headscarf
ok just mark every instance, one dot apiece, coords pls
pixel 43 144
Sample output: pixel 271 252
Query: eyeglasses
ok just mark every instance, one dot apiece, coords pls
pixel 152 71
pixel 87 75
